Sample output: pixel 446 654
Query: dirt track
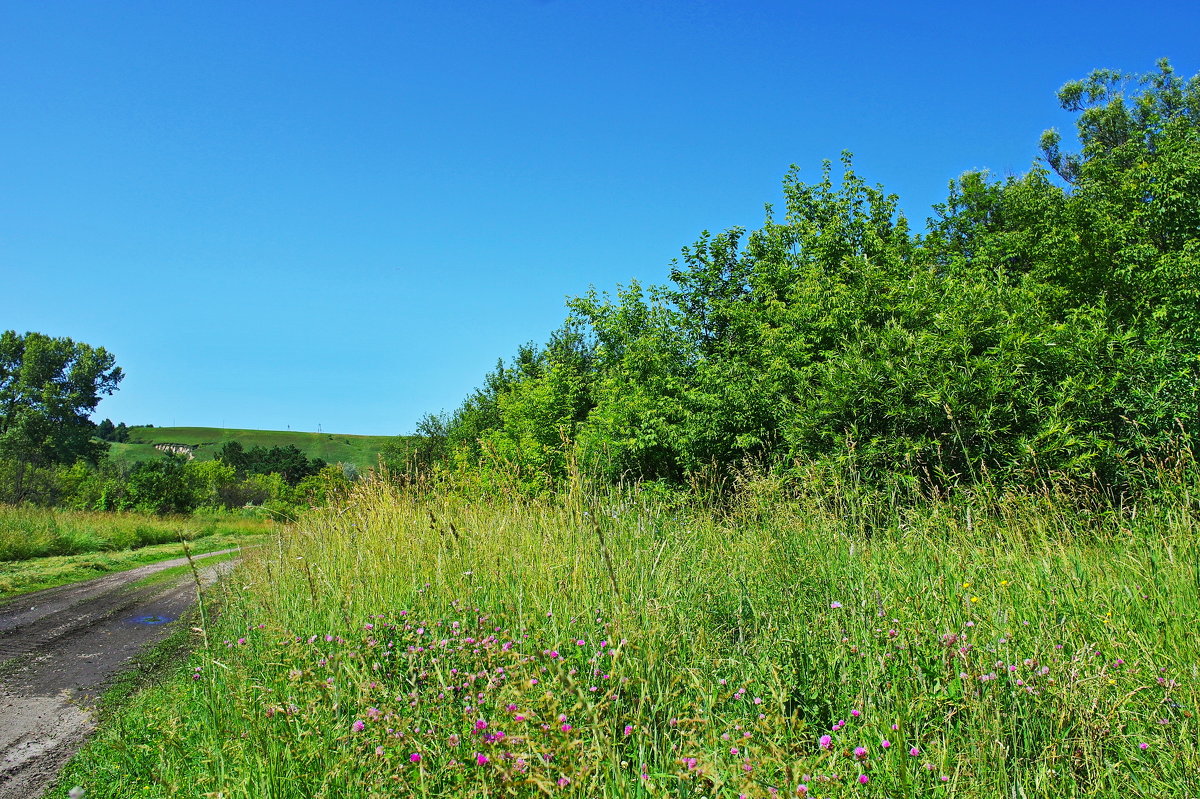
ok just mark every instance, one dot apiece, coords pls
pixel 57 649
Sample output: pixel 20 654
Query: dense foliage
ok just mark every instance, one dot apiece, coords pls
pixel 609 644
pixel 1041 331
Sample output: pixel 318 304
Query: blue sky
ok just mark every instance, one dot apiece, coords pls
pixel 284 215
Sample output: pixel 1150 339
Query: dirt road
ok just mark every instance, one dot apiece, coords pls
pixel 58 648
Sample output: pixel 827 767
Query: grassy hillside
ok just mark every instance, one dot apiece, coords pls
pixel 362 451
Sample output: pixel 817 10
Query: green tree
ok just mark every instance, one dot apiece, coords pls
pixel 48 390
pixel 165 486
pixel 1135 194
pixel 233 454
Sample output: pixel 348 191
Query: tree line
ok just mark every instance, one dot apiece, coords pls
pixel 1042 330
pixel 51 453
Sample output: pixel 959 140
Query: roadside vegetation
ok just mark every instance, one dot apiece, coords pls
pixel 42 548
pixel 621 644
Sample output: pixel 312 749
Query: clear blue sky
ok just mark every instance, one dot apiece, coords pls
pixel 342 213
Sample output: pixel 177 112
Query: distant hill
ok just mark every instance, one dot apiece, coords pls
pixel 206 442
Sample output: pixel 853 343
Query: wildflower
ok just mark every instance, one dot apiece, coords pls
pixel 1143 745
pixel 835 605
pixel 358 725
pixel 885 743
pixel 860 753
pixel 415 757
pixel 563 782
pixel 629 729
pixel 379 751
pixel 481 758
pixel 863 779
pixel 566 728
pixel 855 713
pixel 914 751
pixel 825 742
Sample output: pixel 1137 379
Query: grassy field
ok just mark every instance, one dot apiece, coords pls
pixel 438 646
pixel 362 451
pixel 41 548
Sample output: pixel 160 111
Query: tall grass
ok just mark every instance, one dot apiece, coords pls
pixel 616 645
pixel 31 532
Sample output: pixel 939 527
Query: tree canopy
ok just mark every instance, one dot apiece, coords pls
pixel 1042 329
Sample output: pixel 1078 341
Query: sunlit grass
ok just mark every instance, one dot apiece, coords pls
pixel 441 646
pixel 41 548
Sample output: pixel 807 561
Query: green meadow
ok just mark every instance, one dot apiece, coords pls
pixel 614 643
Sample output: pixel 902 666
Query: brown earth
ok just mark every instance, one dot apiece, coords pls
pixel 59 647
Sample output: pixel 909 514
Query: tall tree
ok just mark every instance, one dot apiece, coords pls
pixel 48 390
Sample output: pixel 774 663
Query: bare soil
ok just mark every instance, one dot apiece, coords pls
pixel 58 649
